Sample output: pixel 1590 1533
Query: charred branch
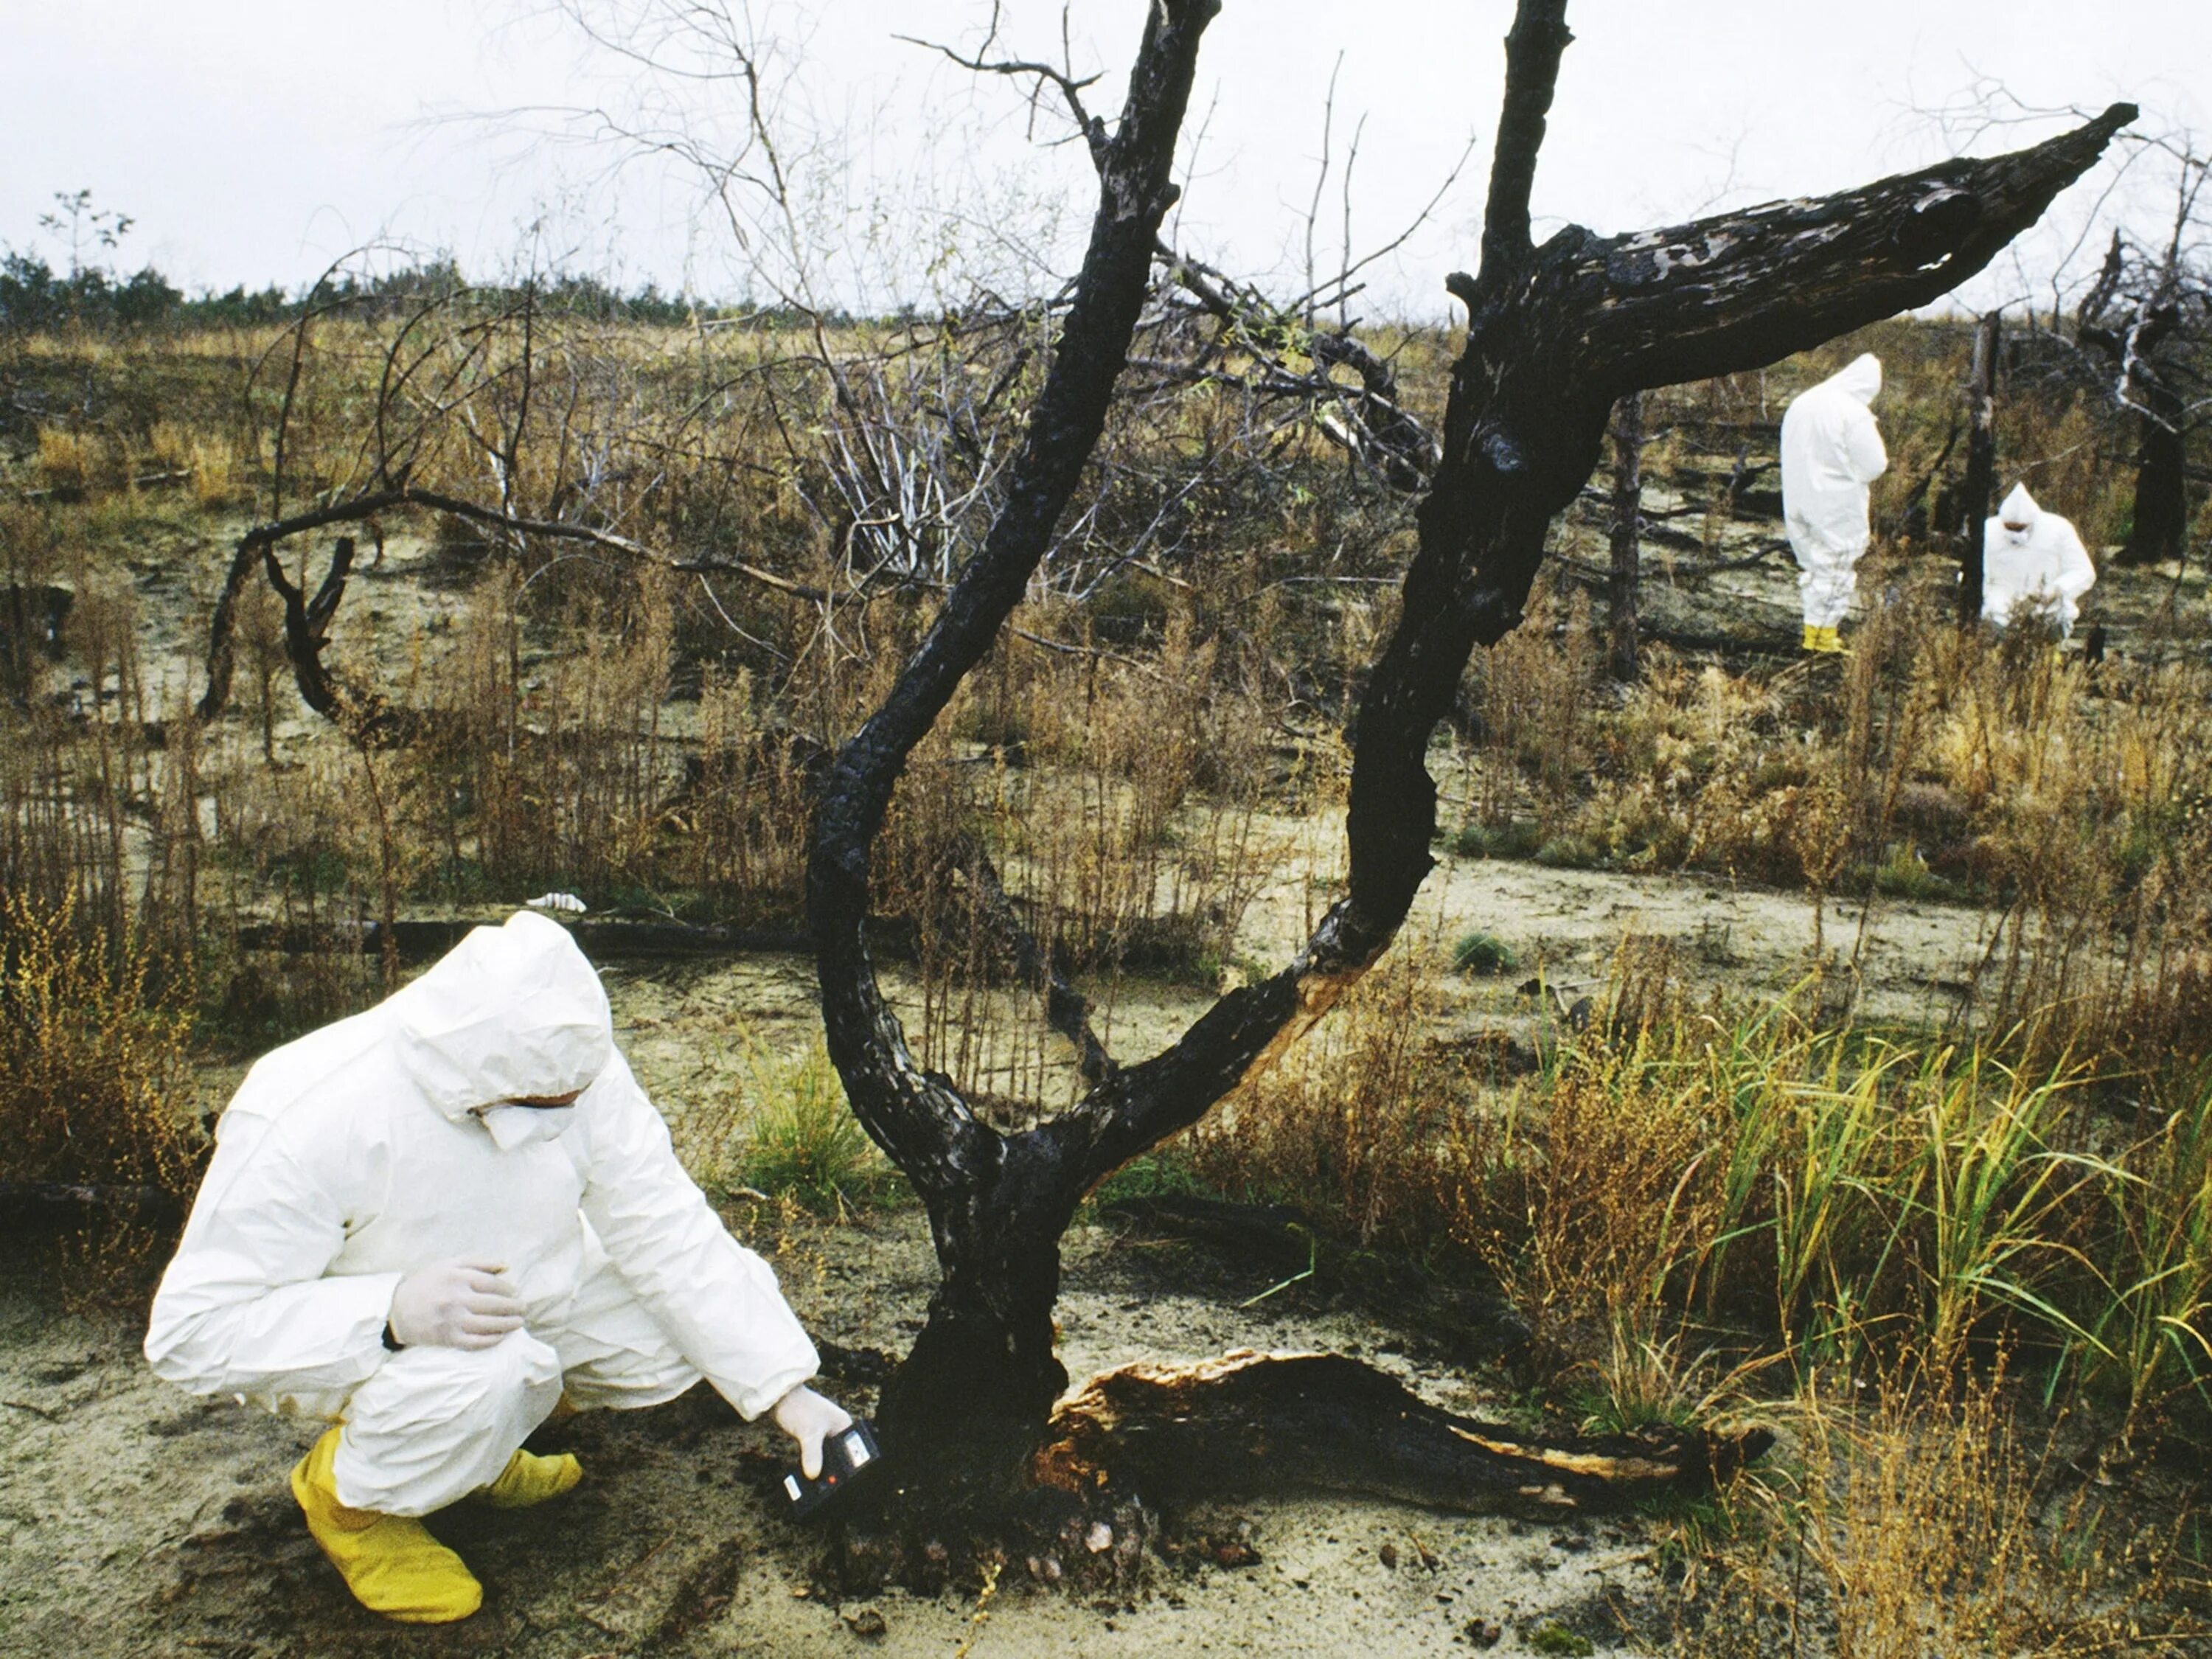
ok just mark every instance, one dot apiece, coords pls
pixel 1068 1010
pixel 307 631
pixel 1539 38
pixel 1374 425
pixel 1981 466
pixel 920 1120
pixel 1251 349
pixel 257 545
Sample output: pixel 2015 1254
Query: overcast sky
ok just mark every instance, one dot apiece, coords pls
pixel 255 140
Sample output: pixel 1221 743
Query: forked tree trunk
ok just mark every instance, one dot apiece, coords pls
pixel 1557 334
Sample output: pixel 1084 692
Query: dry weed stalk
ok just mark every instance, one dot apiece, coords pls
pixel 1922 1521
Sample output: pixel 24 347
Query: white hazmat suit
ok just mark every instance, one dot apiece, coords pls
pixel 1830 451
pixel 2033 564
pixel 377 1148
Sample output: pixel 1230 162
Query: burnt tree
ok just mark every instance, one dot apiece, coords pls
pixel 1981 465
pixel 1624 577
pixel 1557 334
pixel 2148 319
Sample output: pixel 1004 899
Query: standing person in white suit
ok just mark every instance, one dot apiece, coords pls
pixel 437 1220
pixel 1830 451
pixel 2033 564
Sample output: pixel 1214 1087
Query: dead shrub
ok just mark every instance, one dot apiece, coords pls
pixel 95 1070
pixel 1361 1124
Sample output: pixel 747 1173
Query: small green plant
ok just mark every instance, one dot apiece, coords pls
pixel 1518 838
pixel 1570 852
pixel 804 1142
pixel 1480 952
pixel 1163 1172
pixel 1904 873
pixel 1551 1637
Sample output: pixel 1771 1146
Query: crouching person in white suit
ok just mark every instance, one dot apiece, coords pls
pixel 2033 565
pixel 434 1221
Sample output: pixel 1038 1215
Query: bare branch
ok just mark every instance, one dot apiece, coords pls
pixel 1533 47
pixel 1070 85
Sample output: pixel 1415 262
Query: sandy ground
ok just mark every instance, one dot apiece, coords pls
pixel 135 1519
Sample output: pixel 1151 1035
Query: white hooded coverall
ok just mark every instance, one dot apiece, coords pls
pixel 1830 451
pixel 374 1147
pixel 2042 567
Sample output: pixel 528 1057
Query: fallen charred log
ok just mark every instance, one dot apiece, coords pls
pixel 1250 1423
pixel 424 940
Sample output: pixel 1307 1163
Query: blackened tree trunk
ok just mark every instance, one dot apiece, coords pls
pixel 1621 589
pixel 1556 334
pixel 972 1399
pixel 1981 466
pixel 2159 529
pixel 2137 318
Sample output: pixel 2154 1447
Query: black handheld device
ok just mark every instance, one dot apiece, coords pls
pixel 846 1455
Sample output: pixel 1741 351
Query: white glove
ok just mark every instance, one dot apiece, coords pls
pixel 810 1420
pixel 455 1304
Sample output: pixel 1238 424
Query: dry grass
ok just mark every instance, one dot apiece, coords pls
pixel 1913 1522
pixel 2069 799
pixel 1349 1126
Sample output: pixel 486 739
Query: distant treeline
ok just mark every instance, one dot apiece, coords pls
pixel 33 297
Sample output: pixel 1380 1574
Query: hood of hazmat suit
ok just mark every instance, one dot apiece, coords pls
pixel 380 1145
pixel 2033 562
pixel 512 1012
pixel 1830 451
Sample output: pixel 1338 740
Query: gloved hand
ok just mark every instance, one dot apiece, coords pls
pixel 810 1420
pixel 455 1304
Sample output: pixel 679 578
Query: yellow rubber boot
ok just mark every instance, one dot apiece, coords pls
pixel 1812 638
pixel 527 1480
pixel 390 1562
pixel 1826 641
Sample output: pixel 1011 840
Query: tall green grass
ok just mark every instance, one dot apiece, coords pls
pixel 1844 1195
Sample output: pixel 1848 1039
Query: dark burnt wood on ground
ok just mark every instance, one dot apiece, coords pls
pixel 1251 1423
